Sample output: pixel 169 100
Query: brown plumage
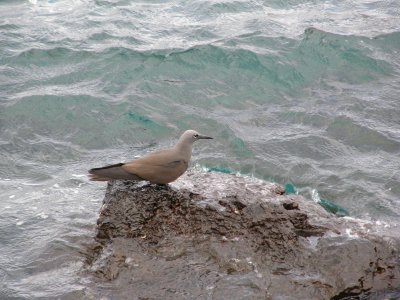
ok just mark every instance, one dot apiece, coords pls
pixel 161 167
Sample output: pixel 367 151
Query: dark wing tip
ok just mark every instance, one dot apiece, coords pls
pixel 93 171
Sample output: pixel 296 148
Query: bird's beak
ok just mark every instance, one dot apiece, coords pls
pixel 203 137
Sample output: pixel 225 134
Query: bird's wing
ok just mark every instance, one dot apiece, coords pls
pixel 112 172
pixel 162 166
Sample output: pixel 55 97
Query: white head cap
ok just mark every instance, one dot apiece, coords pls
pixel 190 136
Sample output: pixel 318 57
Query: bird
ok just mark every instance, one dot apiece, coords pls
pixel 159 167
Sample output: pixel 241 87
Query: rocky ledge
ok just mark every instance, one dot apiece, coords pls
pixel 220 236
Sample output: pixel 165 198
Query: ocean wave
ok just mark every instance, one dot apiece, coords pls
pixel 285 65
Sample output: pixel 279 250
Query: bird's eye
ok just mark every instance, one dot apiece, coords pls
pixel 196 136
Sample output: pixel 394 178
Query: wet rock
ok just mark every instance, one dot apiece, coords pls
pixel 220 236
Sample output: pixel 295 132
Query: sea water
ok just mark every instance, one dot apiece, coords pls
pixel 305 92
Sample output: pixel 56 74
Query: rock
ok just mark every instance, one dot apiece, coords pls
pixel 221 236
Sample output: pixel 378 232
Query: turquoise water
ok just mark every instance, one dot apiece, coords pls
pixel 292 91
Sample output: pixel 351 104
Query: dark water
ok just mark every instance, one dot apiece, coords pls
pixel 299 91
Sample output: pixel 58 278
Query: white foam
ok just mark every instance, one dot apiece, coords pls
pixel 42 215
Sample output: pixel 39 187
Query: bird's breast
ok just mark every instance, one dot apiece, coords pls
pixel 173 173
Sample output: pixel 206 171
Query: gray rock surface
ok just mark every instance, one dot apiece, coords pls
pixel 220 236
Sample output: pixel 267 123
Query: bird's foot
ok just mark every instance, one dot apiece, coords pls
pixel 161 187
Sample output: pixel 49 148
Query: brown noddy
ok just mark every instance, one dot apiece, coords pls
pixel 161 167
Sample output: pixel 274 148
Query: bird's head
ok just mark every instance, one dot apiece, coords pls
pixel 190 136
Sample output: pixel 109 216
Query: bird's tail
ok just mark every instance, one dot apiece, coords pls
pixel 93 177
pixel 111 172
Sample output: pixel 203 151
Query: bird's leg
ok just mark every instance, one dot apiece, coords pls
pixel 162 187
